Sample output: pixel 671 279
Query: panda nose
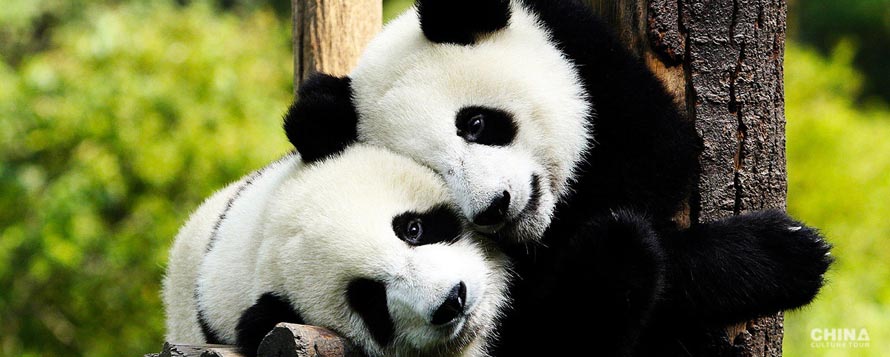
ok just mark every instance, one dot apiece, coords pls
pixel 453 305
pixel 496 211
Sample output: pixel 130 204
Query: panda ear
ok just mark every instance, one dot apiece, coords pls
pixel 322 121
pixel 461 21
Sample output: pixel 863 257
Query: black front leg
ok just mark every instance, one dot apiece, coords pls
pixel 269 310
pixel 743 267
pixel 596 291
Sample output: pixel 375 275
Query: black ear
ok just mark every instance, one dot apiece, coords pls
pixel 322 121
pixel 461 21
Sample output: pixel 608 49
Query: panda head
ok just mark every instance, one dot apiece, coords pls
pixel 475 90
pixel 374 251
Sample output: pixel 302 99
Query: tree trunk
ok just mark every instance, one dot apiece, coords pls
pixel 330 35
pixel 723 61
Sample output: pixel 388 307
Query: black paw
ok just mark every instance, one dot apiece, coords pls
pixel 610 275
pixel 259 319
pixel 620 250
pixel 798 255
pixel 744 267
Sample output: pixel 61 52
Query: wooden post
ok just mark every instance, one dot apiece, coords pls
pixel 723 61
pixel 330 35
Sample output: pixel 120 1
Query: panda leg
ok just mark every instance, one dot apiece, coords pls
pixel 743 267
pixel 608 278
pixel 259 319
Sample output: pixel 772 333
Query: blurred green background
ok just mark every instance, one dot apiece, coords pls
pixel 118 117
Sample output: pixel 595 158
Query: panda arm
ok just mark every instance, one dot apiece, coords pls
pixel 743 267
pixel 255 322
pixel 606 278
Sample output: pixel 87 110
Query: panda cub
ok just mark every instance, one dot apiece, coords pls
pixel 566 150
pixel 364 243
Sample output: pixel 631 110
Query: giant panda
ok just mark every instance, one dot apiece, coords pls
pixel 562 147
pixel 365 243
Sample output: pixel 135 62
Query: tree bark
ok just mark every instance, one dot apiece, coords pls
pixel 330 35
pixel 723 61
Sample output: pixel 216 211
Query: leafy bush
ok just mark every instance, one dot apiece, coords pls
pixel 824 23
pixel 110 137
pixel 839 181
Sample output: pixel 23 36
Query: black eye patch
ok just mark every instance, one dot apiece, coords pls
pixel 486 126
pixel 439 224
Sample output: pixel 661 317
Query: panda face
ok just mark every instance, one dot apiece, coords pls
pixel 502 120
pixel 382 258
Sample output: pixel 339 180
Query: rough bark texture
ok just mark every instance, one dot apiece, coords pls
pixel 174 350
pixel 723 61
pixel 290 340
pixel 329 35
pixel 285 340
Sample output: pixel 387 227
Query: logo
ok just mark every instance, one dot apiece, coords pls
pixel 844 338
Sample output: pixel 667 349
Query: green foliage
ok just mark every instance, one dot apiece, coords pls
pixel 839 181
pixel 393 8
pixel 111 135
pixel 824 23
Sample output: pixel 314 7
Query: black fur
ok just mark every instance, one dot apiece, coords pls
pixel 255 322
pixel 323 121
pixel 368 299
pixel 733 270
pixel 776 264
pixel 598 286
pixel 460 22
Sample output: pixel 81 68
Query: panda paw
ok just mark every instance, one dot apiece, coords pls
pixel 803 255
pixel 619 259
pixel 784 254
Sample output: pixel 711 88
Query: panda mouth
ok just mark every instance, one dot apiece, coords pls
pixel 530 208
pixel 533 202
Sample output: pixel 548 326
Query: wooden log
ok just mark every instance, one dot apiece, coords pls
pixel 330 35
pixel 178 350
pixel 723 61
pixel 285 340
pixel 292 340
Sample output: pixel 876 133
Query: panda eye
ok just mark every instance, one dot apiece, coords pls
pixel 473 129
pixel 436 225
pixel 485 126
pixel 413 231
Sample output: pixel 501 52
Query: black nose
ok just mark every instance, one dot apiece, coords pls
pixel 453 305
pixel 496 211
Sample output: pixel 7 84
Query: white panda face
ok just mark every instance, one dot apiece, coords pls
pixel 374 251
pixel 502 120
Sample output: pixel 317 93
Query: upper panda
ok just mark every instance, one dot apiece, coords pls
pixel 563 147
pixel 365 244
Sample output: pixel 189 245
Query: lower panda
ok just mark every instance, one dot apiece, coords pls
pixel 364 243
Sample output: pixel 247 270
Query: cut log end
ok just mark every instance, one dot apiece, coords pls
pixel 291 340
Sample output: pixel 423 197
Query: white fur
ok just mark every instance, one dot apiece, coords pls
pixel 306 232
pixel 407 91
